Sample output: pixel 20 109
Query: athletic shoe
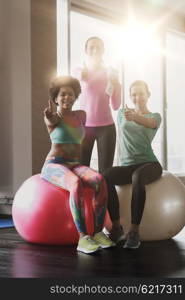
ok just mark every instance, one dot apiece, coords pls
pixel 87 245
pixel 132 240
pixel 117 234
pixel 103 240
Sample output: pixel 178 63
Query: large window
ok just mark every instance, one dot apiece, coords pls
pixel 175 65
pixel 166 84
pixel 145 68
pixel 149 69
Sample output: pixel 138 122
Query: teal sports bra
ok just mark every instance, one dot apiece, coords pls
pixel 66 134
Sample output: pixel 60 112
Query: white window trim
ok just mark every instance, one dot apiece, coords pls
pixel 63 37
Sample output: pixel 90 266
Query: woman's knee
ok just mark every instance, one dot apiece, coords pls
pixel 99 182
pixel 137 179
pixel 75 181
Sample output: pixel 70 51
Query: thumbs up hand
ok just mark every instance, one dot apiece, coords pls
pixel 129 113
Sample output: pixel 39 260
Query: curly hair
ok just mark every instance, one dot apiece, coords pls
pixel 62 81
pixel 140 82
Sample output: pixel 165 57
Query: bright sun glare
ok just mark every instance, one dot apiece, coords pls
pixel 136 40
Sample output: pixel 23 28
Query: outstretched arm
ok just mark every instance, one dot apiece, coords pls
pixel 131 115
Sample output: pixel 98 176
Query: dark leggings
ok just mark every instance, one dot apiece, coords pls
pixel 105 136
pixel 139 175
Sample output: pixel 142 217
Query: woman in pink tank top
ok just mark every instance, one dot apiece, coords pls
pixel 100 90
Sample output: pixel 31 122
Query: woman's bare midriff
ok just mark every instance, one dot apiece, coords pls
pixel 68 151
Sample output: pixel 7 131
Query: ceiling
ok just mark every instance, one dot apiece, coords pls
pixel 117 5
pixel 122 6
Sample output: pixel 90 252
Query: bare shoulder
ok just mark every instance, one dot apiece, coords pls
pixel 81 115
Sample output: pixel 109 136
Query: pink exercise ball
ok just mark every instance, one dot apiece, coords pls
pixel 41 213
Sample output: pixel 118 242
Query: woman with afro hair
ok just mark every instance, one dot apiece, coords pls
pixel 62 166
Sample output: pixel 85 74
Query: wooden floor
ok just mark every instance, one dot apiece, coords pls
pixel 153 259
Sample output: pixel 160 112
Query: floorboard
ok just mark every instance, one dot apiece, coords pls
pixel 19 259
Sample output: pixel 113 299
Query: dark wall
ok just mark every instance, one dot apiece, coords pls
pixel 44 65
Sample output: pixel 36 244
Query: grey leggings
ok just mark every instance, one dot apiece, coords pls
pixel 105 136
pixel 139 175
